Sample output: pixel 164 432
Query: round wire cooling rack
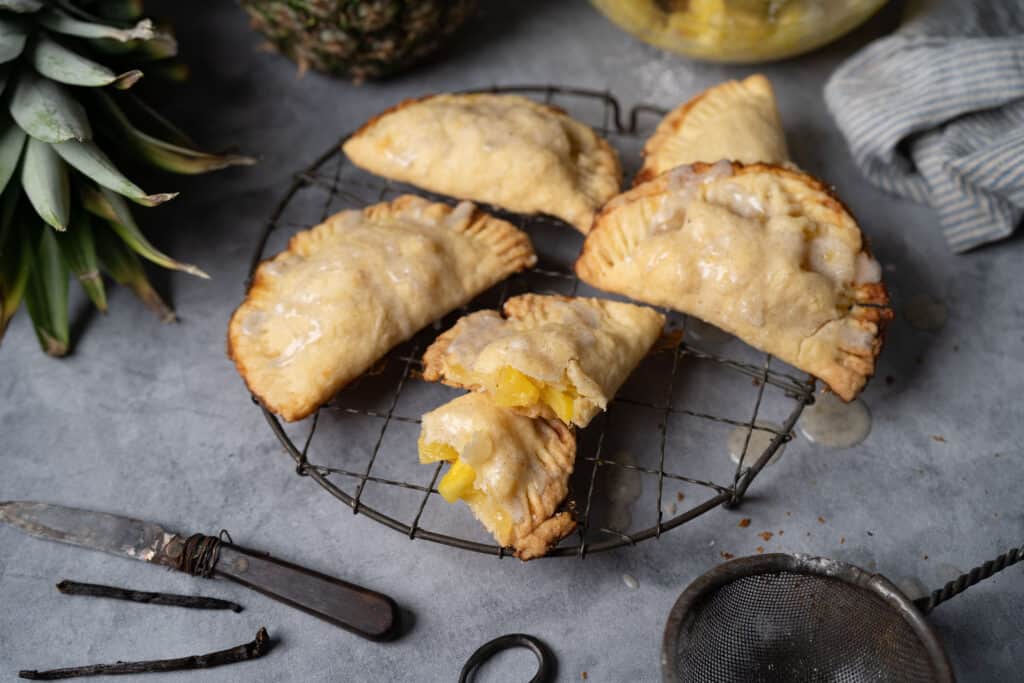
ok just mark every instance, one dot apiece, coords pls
pixel 667 428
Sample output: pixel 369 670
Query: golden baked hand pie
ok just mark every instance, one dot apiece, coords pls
pixel 512 470
pixel 552 356
pixel 345 292
pixel 504 150
pixel 735 120
pixel 764 252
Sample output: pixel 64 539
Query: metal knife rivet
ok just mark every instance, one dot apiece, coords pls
pixel 174 550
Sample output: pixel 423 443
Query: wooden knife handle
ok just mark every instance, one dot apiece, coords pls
pixel 364 612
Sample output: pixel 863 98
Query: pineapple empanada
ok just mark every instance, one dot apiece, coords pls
pixel 764 252
pixel 504 150
pixel 552 356
pixel 345 292
pixel 735 120
pixel 512 470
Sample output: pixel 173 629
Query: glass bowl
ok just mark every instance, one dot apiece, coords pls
pixel 738 30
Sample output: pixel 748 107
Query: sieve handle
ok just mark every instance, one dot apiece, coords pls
pixel 965 581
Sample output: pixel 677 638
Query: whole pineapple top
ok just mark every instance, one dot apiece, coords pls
pixel 357 38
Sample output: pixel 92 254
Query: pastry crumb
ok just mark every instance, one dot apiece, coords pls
pixel 842 540
pixel 583 675
pixel 939 438
pixel 821 520
pixel 727 556
pixel 781 532
pixel 744 523
pixel 766 535
pixel 759 549
pixel 630 581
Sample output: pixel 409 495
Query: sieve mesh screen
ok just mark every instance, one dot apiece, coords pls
pixel 787 626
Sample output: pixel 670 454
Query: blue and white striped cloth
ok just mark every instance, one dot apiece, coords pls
pixel 935 113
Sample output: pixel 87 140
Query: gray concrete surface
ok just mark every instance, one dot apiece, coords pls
pixel 152 420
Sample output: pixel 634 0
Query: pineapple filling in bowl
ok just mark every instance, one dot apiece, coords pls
pixel 738 30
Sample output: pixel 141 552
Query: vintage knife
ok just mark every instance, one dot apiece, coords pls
pixel 364 612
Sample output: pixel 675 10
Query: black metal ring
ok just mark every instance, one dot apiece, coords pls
pixel 545 660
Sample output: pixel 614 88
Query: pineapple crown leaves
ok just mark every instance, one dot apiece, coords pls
pixel 64 203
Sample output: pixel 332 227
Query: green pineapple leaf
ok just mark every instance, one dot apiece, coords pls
pixel 45 179
pixel 47 111
pixel 12 39
pixel 59 22
pixel 166 155
pixel 46 296
pixel 79 250
pixel 161 45
pixel 15 262
pixel 134 109
pixel 56 62
pixel 90 161
pixel 121 263
pixel 21 6
pixel 12 141
pixel 109 206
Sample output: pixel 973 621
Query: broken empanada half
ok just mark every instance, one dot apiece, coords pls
pixel 735 120
pixel 345 292
pixel 512 470
pixel 552 356
pixel 763 252
pixel 504 150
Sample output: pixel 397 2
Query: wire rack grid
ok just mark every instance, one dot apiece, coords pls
pixel 609 483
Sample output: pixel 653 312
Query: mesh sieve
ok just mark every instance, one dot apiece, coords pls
pixel 783 618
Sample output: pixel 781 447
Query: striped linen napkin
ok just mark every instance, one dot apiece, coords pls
pixel 935 113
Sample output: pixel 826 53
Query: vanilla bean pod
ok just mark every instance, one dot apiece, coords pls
pixel 100 591
pixel 240 653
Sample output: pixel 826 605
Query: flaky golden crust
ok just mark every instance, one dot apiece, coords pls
pixel 734 120
pixel 433 358
pixel 855 333
pixel 667 128
pixel 419 142
pixel 544 527
pixel 471 251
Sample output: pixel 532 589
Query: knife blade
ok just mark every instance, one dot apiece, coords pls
pixel 360 610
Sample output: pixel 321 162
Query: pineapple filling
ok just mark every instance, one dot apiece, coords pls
pixel 457 484
pixel 436 451
pixel 513 389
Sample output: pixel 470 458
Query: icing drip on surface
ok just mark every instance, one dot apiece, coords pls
pixel 832 423
pixel 683 184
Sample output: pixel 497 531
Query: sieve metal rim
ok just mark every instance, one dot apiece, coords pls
pixel 798 564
